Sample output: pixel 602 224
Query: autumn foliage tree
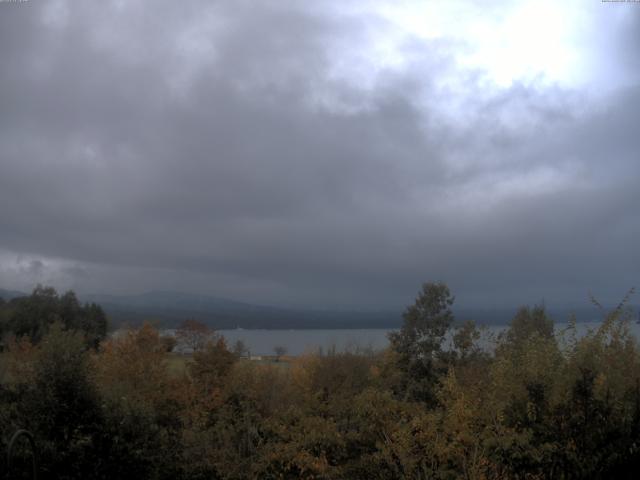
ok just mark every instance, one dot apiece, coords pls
pixel 193 335
pixel 141 406
pixel 211 365
pixel 536 403
pixel 52 394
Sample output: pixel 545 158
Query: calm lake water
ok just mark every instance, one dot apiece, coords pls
pixel 262 342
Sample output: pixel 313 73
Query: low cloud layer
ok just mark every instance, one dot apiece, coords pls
pixel 310 154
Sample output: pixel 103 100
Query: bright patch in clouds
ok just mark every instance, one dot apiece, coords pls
pixel 524 41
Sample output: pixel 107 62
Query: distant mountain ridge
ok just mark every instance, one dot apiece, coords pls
pixel 170 308
pixel 167 309
pixel 9 294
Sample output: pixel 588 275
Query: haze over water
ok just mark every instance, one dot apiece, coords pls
pixel 297 342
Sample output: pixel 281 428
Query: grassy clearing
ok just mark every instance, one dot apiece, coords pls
pixel 178 363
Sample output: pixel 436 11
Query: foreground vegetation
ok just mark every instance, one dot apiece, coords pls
pixel 537 406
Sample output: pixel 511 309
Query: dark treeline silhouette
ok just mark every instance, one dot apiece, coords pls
pixel 540 404
pixel 32 316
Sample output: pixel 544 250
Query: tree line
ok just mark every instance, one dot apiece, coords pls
pixel 433 405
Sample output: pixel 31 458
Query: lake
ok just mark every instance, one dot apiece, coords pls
pixel 262 342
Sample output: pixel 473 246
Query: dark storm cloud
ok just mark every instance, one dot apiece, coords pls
pixel 234 148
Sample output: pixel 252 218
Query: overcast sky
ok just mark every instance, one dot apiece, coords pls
pixel 322 153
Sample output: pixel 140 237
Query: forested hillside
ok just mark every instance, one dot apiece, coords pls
pixel 538 405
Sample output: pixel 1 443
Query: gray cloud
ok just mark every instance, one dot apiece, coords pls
pixel 233 148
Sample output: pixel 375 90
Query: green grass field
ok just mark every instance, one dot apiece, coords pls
pixel 177 363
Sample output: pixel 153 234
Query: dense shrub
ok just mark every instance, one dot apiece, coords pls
pixel 536 405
